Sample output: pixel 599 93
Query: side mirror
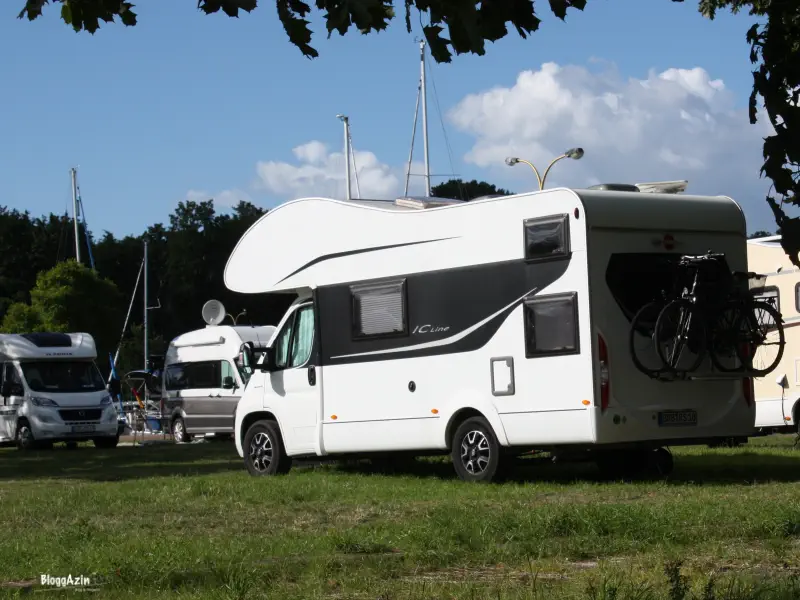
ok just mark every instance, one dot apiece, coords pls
pixel 114 387
pixel 267 361
pixel 246 358
pixel 228 383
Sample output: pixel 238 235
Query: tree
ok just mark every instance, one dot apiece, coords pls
pixel 67 298
pixel 467 190
pixel 759 234
pixel 775 46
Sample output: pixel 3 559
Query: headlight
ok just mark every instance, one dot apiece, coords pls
pixel 40 401
pixel 105 401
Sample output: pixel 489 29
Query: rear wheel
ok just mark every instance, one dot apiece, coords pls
pixel 680 337
pixel 475 451
pixel 106 442
pixel 641 340
pixel 264 453
pixel 179 431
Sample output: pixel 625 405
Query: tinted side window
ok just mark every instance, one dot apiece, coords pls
pixel 551 325
pixel 547 237
pixel 204 374
pixel 176 378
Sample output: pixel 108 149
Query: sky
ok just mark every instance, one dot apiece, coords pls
pixel 188 106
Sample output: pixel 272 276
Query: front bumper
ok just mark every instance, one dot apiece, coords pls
pixel 48 426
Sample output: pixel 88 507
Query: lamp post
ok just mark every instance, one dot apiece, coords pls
pixel 573 153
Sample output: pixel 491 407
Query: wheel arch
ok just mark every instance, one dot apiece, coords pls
pixel 255 416
pixel 467 412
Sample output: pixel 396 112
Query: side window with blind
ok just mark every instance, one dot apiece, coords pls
pixel 379 309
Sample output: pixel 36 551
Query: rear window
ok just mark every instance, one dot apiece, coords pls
pixel 635 279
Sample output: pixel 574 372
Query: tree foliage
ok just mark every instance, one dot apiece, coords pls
pixel 467 190
pixel 70 297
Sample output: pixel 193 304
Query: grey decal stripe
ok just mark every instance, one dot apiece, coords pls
pixel 325 257
pixel 443 342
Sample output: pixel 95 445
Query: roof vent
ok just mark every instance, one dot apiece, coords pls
pixel 48 340
pixel 663 187
pixel 423 203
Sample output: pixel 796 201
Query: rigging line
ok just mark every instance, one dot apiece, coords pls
pixel 413 136
pixel 353 153
pixel 128 316
pixel 85 229
pixel 444 131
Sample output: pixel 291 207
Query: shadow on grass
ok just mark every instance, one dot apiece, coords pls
pixel 724 468
pixel 121 463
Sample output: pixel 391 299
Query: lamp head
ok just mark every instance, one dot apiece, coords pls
pixel 511 161
pixel 341 117
pixel 574 153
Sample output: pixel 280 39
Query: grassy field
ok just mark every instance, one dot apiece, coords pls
pixel 188 522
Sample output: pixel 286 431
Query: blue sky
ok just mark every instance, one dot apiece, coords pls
pixel 185 101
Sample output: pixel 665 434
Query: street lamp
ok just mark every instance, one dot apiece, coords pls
pixel 573 153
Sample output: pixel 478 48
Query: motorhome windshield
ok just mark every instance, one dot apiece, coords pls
pixel 63 376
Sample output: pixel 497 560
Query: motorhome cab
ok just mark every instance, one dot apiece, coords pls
pixel 203 380
pixel 53 391
pixel 478 328
pixel 778 394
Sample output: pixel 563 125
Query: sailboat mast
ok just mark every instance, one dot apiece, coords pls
pixel 144 324
pixel 74 176
pixel 345 120
pixel 424 98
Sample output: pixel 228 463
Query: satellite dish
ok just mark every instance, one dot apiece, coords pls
pixel 213 312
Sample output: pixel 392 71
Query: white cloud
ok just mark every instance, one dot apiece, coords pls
pixel 678 124
pixel 319 172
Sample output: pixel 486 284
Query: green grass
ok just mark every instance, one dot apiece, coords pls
pixel 188 522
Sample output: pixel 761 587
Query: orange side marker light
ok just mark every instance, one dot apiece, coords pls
pixel 435 411
pixel 585 402
pixel 334 417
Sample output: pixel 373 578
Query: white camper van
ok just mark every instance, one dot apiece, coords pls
pixel 53 391
pixel 778 394
pixel 478 328
pixel 204 378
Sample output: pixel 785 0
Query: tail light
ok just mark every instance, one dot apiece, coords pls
pixel 605 379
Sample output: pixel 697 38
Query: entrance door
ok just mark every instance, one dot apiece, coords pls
pixel 295 381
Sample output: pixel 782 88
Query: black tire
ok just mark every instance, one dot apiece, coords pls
pixel 179 431
pixel 776 318
pixel 106 443
pixel 475 451
pixel 643 324
pixel 667 336
pixel 264 453
pixel 661 462
pixel 24 437
pixel 625 465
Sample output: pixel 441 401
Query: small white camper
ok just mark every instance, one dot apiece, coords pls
pixel 53 391
pixel 204 378
pixel 478 328
pixel 778 394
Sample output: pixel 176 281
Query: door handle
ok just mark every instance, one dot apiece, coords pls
pixel 312 375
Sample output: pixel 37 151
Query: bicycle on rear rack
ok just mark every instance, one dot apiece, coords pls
pixel 712 313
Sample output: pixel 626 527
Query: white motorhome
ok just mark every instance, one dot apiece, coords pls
pixel 778 394
pixel 478 328
pixel 53 391
pixel 204 378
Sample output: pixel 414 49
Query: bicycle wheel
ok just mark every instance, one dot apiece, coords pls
pixel 641 342
pixel 724 339
pixel 763 339
pixel 680 337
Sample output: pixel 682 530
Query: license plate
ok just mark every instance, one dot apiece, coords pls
pixel 82 428
pixel 677 418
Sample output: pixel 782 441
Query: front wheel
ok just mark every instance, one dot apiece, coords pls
pixel 680 337
pixel 24 437
pixel 264 453
pixel 476 451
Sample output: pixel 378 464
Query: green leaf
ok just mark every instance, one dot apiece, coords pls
pixel 291 13
pixel 66 13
